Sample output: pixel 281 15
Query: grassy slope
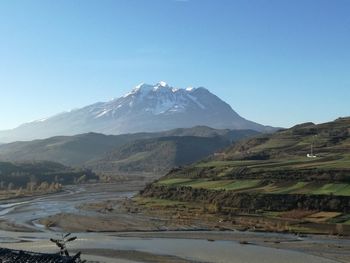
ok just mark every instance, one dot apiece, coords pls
pixel 277 164
pixel 81 149
pixel 259 186
pixel 159 154
pixel 273 161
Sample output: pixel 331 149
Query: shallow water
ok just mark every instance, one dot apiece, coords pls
pixel 27 212
pixel 192 249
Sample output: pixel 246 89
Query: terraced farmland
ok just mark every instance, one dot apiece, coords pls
pixel 272 176
pixel 259 186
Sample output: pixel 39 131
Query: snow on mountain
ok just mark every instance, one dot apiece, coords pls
pixel 156 99
pixel 146 108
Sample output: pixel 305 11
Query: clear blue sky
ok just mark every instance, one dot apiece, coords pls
pixel 275 62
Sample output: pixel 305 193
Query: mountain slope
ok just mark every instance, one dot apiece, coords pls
pixel 147 108
pixel 68 150
pixel 79 149
pixel 158 155
pixel 283 156
pixel 268 182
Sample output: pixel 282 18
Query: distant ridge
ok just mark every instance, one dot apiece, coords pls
pixel 99 151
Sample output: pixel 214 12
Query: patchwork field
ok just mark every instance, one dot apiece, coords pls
pixel 261 186
pixel 269 177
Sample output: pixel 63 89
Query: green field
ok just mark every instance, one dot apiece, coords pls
pixel 293 162
pixel 336 189
pixel 259 186
pixel 211 184
pixel 256 177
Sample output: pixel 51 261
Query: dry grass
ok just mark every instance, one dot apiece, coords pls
pixel 296 214
pixel 321 217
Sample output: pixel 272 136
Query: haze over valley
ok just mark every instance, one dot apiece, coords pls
pixel 233 148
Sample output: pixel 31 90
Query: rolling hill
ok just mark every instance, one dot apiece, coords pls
pixel 270 175
pixel 283 156
pixel 88 149
pixel 158 155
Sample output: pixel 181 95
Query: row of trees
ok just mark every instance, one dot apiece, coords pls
pixel 31 187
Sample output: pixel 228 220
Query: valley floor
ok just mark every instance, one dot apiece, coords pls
pixel 111 228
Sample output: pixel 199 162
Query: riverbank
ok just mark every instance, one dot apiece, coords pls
pixel 22 194
pixel 284 213
pixel 194 246
pixel 110 229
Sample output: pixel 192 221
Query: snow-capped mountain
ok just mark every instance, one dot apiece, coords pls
pixel 147 108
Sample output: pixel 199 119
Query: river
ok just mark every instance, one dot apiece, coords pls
pixel 26 212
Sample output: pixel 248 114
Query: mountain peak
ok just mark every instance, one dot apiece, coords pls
pixel 144 88
pixel 146 108
pixel 162 84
